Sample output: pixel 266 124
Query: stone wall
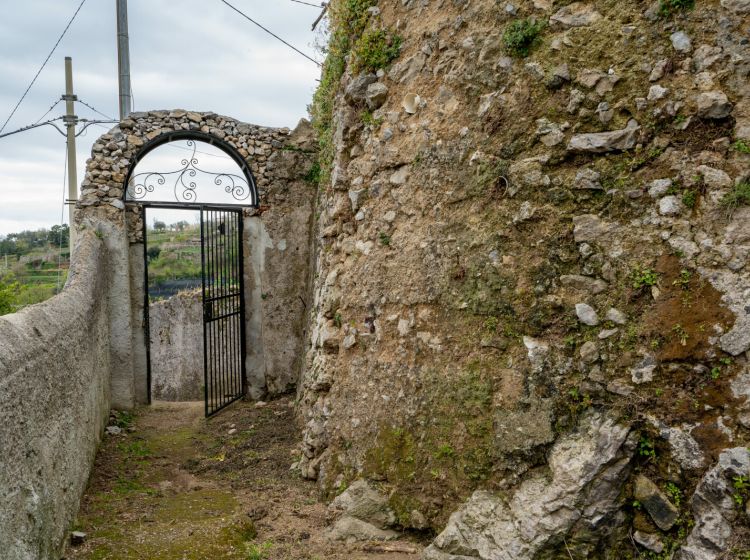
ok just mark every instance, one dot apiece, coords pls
pixel 176 326
pixel 555 231
pixel 54 402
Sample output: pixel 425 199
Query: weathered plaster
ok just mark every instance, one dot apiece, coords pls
pixel 54 402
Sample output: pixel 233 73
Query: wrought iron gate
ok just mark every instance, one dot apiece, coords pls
pixel 223 307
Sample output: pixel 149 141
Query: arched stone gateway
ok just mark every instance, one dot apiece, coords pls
pixel 277 213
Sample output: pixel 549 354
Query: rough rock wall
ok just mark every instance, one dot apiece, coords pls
pixel 54 401
pixel 176 326
pixel 555 230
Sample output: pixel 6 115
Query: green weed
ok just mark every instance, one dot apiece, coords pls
pixel 646 448
pixel 741 489
pixel 738 196
pixel 674 492
pixel 684 280
pixel 643 277
pixel 384 239
pixel 669 7
pixel 445 451
pixel 491 323
pixel 521 36
pixel 376 49
pixel 258 551
pixel 680 333
pixel 741 145
pixel 689 198
pixel 369 120
pixel 313 176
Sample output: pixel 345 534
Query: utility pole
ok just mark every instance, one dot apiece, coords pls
pixel 123 58
pixel 71 120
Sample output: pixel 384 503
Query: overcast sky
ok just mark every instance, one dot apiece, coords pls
pixel 191 54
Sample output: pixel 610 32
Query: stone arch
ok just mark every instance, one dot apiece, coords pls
pixel 243 162
pixel 278 230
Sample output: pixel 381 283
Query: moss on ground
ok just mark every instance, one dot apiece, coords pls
pixel 453 446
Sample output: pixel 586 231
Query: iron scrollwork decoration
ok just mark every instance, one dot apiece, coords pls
pixel 186 181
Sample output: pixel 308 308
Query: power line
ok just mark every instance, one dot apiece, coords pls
pixel 13 112
pixel 271 33
pixel 95 110
pixel 35 125
pixel 322 4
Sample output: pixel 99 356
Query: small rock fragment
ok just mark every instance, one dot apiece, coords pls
pixel 586 314
pixel 649 541
pixel 598 142
pixel 713 105
pixel 376 95
pixel 661 510
pixel 616 316
pixel 681 42
pixel 589 352
pixel 670 206
pixel 656 92
pixel 643 372
pixel 659 187
pixel 576 14
pixel 588 179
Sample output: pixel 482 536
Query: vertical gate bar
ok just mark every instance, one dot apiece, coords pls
pixel 230 299
pixel 235 307
pixel 203 292
pixel 215 356
pixel 209 247
pixel 228 240
pixel 238 271
pixel 227 309
pixel 219 346
pixel 243 341
pixel 223 343
pixel 212 280
pixel 221 326
pixel 146 304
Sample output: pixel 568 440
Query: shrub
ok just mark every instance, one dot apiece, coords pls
pixel 376 49
pixel 348 19
pixel 8 293
pixel 521 36
pixel 668 7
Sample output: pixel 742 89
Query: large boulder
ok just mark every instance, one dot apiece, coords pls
pixel 586 472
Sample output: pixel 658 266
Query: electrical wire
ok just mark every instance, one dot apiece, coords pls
pixel 95 110
pixel 13 112
pixel 36 125
pixel 55 104
pixel 271 33
pixel 321 5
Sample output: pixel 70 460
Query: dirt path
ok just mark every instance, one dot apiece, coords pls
pixel 173 486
